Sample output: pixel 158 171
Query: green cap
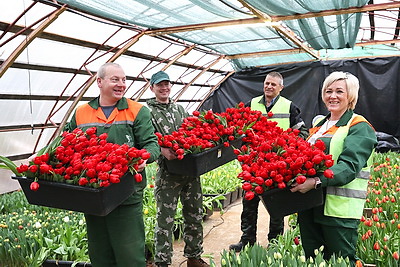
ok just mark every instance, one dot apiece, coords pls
pixel 159 77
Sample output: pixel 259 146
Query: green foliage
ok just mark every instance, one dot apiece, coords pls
pixel 283 252
pixel 30 234
pixel 379 233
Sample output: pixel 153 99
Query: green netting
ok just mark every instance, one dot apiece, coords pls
pixel 329 32
pixel 321 32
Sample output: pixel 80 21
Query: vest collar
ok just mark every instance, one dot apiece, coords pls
pixel 264 101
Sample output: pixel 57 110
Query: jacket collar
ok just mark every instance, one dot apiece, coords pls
pixel 121 104
pixel 342 121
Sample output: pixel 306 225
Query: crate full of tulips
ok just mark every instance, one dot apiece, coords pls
pixel 273 159
pixel 80 171
pixel 206 140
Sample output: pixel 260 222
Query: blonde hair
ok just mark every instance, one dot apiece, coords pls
pixel 352 85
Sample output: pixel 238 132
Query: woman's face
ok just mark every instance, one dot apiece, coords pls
pixel 335 98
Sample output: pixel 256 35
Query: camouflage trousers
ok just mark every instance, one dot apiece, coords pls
pixel 169 189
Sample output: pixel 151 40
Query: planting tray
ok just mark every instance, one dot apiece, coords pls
pixel 94 201
pixel 282 202
pixel 59 263
pixel 200 163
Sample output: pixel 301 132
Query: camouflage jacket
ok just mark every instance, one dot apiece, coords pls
pixel 166 118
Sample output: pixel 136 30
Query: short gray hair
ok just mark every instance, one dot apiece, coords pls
pixel 101 73
pixel 276 74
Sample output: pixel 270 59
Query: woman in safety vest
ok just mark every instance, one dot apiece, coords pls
pixel 350 139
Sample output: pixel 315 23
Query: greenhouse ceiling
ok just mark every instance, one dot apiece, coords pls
pixel 50 50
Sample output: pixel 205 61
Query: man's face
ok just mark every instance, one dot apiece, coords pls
pixel 162 91
pixel 112 86
pixel 272 87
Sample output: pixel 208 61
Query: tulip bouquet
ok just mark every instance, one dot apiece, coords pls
pixel 208 129
pixel 81 158
pixel 274 158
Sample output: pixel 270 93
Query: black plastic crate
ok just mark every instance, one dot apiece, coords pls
pixel 282 202
pixel 94 201
pixel 200 163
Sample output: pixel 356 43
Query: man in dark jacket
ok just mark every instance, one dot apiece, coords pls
pixel 287 114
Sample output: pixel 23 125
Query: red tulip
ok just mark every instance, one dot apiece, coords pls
pixel 396 255
pixel 138 177
pixel 249 195
pixel 34 186
pixel 328 173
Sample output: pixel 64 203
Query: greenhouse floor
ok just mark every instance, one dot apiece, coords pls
pixel 221 230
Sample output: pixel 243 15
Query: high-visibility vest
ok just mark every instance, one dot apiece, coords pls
pixel 347 201
pixel 280 110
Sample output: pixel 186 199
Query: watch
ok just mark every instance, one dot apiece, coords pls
pixel 317 183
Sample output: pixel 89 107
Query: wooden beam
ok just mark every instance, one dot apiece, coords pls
pixel 7 63
pixel 376 42
pixel 350 10
pixel 266 53
pixel 284 30
pixel 297 50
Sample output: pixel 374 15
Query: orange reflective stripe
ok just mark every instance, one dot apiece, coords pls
pixel 85 114
pixel 333 129
pixel 358 119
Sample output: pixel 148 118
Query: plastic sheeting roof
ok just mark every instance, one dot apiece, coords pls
pixel 269 26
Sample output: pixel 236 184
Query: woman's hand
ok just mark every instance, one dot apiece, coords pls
pixel 168 153
pixel 308 185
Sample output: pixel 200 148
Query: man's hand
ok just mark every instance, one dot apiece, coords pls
pixel 168 153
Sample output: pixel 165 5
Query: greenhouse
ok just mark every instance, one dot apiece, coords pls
pixel 215 56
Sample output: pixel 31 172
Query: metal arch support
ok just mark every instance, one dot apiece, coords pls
pixel 91 80
pixel 8 62
pixel 183 90
pixel 171 62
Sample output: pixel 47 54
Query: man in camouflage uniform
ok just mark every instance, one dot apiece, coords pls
pixel 166 118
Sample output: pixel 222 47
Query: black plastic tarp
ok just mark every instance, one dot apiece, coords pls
pixel 378 101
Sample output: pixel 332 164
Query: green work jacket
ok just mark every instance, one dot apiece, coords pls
pixel 129 123
pixel 357 148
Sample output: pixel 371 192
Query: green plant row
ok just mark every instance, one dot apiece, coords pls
pixel 30 234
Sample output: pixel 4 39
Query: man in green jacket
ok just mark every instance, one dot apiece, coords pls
pixel 168 117
pixel 118 238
